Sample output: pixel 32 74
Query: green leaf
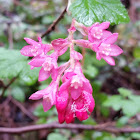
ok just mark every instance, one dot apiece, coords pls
pixel 91 71
pixel 122 121
pixel 136 100
pixel 124 92
pixel 41 121
pixel 105 111
pixel 55 35
pixel 136 52
pixel 56 136
pixel 129 108
pixel 91 11
pixel 65 56
pixel 18 94
pixel 28 76
pixel 11 63
pixel 97 86
pixel 39 112
pixel 121 138
pixel 52 119
pixel 96 62
pixel 114 102
pixel 48 19
pixel 135 135
pixel 89 121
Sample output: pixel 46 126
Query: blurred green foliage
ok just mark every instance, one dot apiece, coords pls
pixel 129 103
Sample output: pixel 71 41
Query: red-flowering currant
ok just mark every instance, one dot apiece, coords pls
pixel 74 97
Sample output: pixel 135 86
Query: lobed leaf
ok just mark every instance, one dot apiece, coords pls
pixel 91 11
pixel 13 64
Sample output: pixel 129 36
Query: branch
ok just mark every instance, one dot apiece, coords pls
pixel 23 109
pixel 52 26
pixel 6 87
pixel 100 127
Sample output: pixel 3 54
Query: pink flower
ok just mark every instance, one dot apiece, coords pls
pixel 107 48
pixel 69 108
pixel 48 95
pixel 75 96
pixel 97 32
pixel 60 45
pixel 35 48
pixel 48 64
pixel 104 49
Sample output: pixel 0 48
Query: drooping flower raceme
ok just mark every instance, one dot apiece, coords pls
pixel 74 97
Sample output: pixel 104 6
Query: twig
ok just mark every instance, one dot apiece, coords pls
pixel 18 3
pixel 6 87
pixel 23 109
pixel 99 127
pixel 83 52
pixel 52 26
pixel 10 37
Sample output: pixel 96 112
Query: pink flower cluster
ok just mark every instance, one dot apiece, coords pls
pixel 74 97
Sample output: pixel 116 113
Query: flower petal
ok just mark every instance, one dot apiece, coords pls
pixel 82 115
pixel 62 100
pixel 62 51
pixel 106 34
pixel 67 76
pixel 81 28
pixel 61 117
pixel 43 75
pixel 104 25
pixel 76 55
pixel 89 100
pixel 37 95
pixel 87 87
pixel 60 45
pixel 83 43
pixel 75 93
pixel 37 62
pixel 47 103
pixel 32 67
pixel 47 47
pixel 26 50
pixel 54 73
pixel 69 118
pixel 69 115
pixel 111 39
pixel 32 42
pixel 115 50
pixel 98 56
pixel 109 60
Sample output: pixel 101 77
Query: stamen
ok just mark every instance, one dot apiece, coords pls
pixel 105 49
pixel 47 65
pixel 98 33
pixel 34 51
